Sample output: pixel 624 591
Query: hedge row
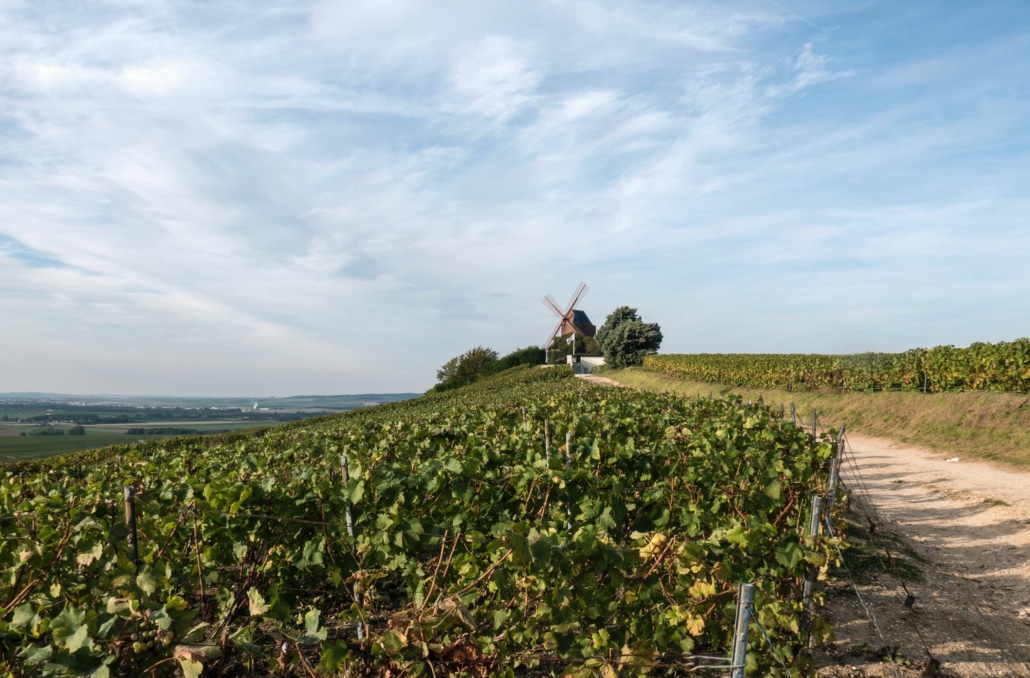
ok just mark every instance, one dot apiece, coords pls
pixel 1004 366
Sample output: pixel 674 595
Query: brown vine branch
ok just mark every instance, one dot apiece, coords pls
pixel 489 571
pixel 439 561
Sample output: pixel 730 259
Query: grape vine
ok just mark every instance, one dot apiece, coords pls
pixel 475 551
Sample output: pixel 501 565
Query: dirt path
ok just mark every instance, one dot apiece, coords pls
pixel 967 526
pixel 596 379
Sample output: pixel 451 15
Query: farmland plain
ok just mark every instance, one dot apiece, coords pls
pixel 119 420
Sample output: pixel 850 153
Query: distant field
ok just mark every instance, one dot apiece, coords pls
pixel 108 419
pixel 199 426
pixel 15 447
pixel 18 448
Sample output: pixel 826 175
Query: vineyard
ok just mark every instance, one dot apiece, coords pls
pixel 527 525
pixel 1004 366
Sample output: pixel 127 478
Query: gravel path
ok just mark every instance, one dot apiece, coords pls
pixel 969 523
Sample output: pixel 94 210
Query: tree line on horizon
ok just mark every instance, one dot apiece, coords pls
pixel 623 340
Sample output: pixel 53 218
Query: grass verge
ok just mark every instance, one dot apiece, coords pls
pixel 993 426
pixel 872 552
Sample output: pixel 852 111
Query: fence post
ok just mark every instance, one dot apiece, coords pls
pixel 838 456
pixel 738 659
pixel 793 415
pixel 815 424
pixel 568 466
pixel 547 438
pixel 345 468
pixel 130 523
pixel 814 527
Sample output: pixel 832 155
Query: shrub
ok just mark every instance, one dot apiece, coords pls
pixel 626 339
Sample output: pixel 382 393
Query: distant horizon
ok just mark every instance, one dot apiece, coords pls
pixel 203 397
pixel 381 393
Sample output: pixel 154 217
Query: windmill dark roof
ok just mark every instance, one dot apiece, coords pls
pixel 582 324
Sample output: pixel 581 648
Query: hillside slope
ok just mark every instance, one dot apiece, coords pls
pixel 530 521
pixel 990 426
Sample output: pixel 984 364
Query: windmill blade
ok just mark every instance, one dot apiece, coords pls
pixel 580 291
pixel 554 333
pixel 553 305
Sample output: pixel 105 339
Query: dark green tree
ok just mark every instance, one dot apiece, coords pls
pixel 77 431
pixel 466 368
pixel 625 338
pixel 530 355
pixel 622 314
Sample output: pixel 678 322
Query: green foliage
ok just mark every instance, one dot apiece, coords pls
pixel 530 355
pixel 629 343
pixel 561 347
pixel 77 431
pixel 622 314
pixel 625 339
pixel 466 368
pixel 471 540
pixel 1004 366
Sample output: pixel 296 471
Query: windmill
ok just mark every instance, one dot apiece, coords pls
pixel 572 321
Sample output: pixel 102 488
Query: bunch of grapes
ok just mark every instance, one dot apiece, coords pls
pixel 149 636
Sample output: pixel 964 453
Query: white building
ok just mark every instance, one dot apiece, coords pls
pixel 584 364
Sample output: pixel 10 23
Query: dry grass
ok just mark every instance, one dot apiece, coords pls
pixel 994 426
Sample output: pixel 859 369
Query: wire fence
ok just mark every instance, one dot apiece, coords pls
pixel 858 489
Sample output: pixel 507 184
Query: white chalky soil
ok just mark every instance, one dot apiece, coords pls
pixel 970 522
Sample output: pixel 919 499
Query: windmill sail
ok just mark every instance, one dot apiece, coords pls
pixel 571 321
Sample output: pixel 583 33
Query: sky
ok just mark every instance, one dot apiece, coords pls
pixel 219 197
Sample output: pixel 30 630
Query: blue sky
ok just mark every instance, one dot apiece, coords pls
pixel 275 198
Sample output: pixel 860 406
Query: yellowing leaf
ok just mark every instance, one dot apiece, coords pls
pixel 702 589
pixel 190 668
pixel 653 547
pixel 695 625
pixel 257 603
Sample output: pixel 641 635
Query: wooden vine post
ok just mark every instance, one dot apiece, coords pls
pixel 547 438
pixel 130 524
pixel 345 468
pixel 568 467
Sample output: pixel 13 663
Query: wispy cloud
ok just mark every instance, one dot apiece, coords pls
pixel 338 197
pixel 27 256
